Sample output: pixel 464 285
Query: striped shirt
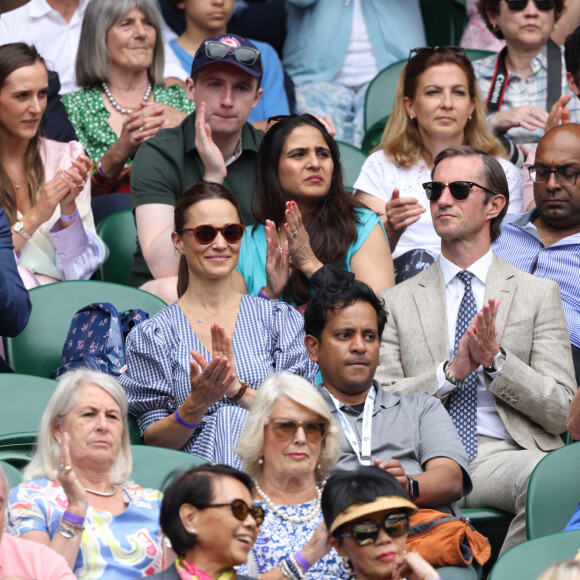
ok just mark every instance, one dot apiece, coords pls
pixel 521 246
pixel 530 91
pixel 268 337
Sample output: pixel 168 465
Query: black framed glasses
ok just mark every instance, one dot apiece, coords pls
pixel 245 55
pixel 421 49
pixel 206 234
pixel 241 509
pixel 285 429
pixel 519 5
pixel 564 175
pixel 460 190
pixel 366 532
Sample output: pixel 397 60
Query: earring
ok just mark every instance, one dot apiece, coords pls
pixel 469 118
pixel 319 467
pixel 495 27
pixel 261 460
pixel 347 565
pixel 404 552
pixel 411 118
pixel 193 532
pixel 180 252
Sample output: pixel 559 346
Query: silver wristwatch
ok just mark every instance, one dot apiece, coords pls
pixel 497 362
pixel 19 229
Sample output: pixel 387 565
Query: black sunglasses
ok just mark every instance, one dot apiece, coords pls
pixel 564 175
pixel 285 429
pixel 240 509
pixel 519 5
pixel 460 190
pixel 206 234
pixel 421 49
pixel 245 55
pixel 366 532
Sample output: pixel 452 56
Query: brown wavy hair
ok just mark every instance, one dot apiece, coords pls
pixel 401 141
pixel 199 192
pixel 331 228
pixel 12 57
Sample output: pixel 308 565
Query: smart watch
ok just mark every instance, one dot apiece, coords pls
pixel 413 488
pixel 497 362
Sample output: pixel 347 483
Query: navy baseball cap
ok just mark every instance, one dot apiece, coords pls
pixel 232 49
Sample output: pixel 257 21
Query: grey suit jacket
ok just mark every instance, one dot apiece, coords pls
pixel 533 390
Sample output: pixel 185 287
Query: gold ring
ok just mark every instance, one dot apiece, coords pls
pixel 140 128
pixel 532 111
pixel 82 184
pixel 67 468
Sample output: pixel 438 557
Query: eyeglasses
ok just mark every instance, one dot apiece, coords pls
pixel 460 190
pixel 274 119
pixel 206 234
pixel 366 532
pixel 245 55
pixel 519 5
pixel 240 509
pixel 285 429
pixel 564 176
pixel 421 49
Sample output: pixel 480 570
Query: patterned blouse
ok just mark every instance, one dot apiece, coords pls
pixel 90 119
pixel 128 545
pixel 279 537
pixel 268 337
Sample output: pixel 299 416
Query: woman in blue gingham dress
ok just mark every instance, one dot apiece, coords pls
pixel 188 383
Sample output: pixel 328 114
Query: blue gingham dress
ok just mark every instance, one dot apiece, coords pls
pixel 268 337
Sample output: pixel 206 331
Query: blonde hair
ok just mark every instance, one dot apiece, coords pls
pixel 566 570
pixel 65 397
pixel 401 141
pixel 286 386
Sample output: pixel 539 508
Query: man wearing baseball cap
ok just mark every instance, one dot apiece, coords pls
pixel 215 143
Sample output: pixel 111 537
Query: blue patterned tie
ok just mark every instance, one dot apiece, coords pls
pixel 463 400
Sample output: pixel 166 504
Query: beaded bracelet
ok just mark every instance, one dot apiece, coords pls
pixel 289 570
pixel 183 422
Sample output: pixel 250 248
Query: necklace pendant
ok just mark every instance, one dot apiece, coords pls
pixel 17 185
pixel 199 320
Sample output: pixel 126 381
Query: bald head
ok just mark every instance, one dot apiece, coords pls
pixel 557 204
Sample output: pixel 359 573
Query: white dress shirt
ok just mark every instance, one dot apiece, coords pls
pixel 489 422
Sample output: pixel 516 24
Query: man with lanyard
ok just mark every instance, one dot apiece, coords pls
pixel 412 437
pixel 545 241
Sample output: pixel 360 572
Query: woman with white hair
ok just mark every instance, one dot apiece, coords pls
pixel 288 446
pixel 123 101
pixel 76 497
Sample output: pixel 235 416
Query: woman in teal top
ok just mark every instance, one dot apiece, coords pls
pixel 120 64
pixel 305 218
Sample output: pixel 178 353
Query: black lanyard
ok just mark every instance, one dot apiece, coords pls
pixel 500 78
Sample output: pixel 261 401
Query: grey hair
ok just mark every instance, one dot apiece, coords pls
pixel 5 484
pixel 45 461
pixel 286 386
pixel 92 66
pixel 492 173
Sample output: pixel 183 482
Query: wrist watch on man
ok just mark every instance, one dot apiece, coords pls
pixel 497 362
pixel 413 488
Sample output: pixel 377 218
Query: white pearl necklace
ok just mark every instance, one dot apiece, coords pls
pixel 280 513
pixel 116 105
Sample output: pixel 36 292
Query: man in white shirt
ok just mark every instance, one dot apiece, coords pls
pixel 491 341
pixel 54 27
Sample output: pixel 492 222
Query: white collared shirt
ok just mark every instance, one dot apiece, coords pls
pixel 489 422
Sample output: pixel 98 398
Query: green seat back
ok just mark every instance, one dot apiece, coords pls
pixel 119 232
pixel 528 560
pixel 37 350
pixel 351 159
pixel 152 466
pixel 24 399
pixel 444 21
pixel 553 492
pixel 13 473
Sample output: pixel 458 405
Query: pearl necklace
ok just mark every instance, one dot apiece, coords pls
pixel 280 513
pixel 102 493
pixel 116 105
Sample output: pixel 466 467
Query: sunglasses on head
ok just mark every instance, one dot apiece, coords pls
pixel 285 429
pixel 460 190
pixel 366 532
pixel 421 49
pixel 245 55
pixel 240 509
pixel 206 234
pixel 519 5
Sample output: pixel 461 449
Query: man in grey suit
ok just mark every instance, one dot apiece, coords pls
pixel 491 341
